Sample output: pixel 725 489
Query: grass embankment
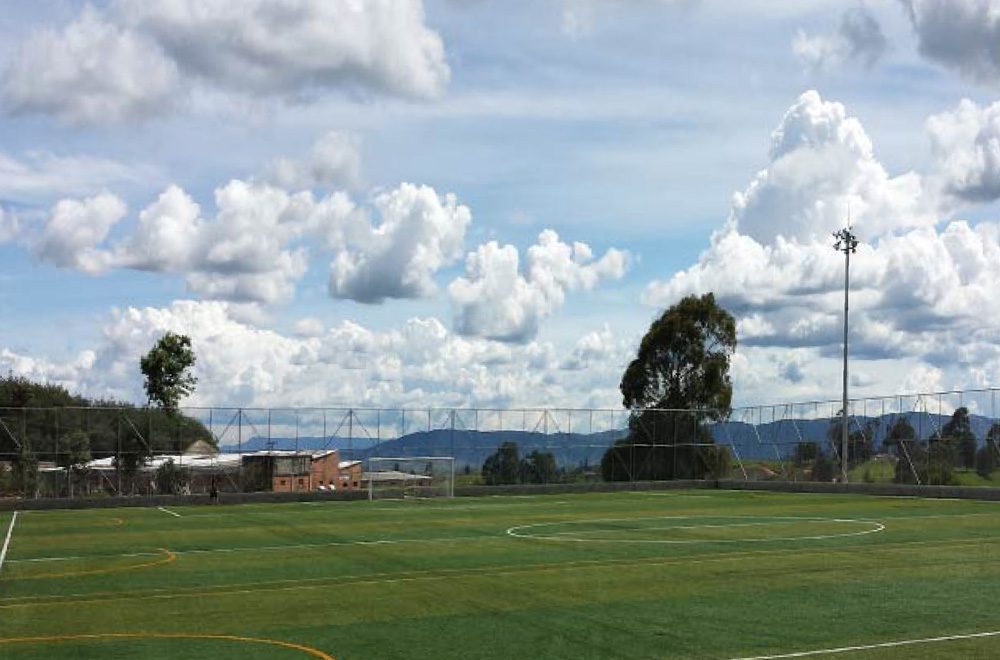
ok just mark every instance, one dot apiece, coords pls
pixel 706 574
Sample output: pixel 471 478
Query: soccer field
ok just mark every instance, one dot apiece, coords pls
pixel 694 574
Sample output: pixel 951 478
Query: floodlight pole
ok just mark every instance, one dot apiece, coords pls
pixel 847 243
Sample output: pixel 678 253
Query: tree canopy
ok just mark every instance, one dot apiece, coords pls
pixel 678 383
pixel 683 360
pixel 505 466
pixel 166 369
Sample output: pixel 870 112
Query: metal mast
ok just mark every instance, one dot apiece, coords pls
pixel 847 243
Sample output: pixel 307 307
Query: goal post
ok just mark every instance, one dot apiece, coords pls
pixel 399 477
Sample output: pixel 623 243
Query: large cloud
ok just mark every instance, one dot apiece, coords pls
pixel 257 245
pixel 418 363
pixel 495 299
pixel 967 143
pixel 137 58
pixel 90 71
pixel 961 34
pixel 915 286
pixel 858 37
pixel 419 233
pixel 821 166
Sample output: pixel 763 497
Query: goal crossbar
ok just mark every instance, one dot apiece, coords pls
pixel 440 481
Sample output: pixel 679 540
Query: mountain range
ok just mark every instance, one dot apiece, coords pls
pixel 768 440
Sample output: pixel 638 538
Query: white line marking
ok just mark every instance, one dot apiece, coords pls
pixel 6 543
pixel 866 647
pixel 166 510
pixel 516 531
pixel 671 527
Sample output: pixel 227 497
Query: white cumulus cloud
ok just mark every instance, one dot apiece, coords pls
pixel 821 166
pixel 74 231
pixel 90 71
pixel 495 299
pixel 258 243
pixel 418 233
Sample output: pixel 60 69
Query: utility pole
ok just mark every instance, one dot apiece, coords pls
pixel 847 243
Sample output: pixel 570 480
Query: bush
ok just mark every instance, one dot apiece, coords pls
pixel 170 478
pixel 823 469
pixel 986 461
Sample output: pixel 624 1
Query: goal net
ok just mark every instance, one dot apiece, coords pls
pixel 390 477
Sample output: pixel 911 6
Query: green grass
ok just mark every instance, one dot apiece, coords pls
pixel 700 574
pixel 972 478
pixel 880 470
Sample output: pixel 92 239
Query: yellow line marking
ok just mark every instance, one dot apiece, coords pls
pixel 169 558
pixel 316 653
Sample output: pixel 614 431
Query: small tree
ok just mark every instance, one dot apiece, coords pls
pixel 24 472
pixel 539 468
pixel 166 370
pixel 170 478
pixel 503 466
pixel 957 434
pixel 823 468
pixel 912 464
pixel 900 431
pixel 75 457
pixel 986 461
pixel 930 464
pixel 805 452
pixel 987 457
pixel 859 441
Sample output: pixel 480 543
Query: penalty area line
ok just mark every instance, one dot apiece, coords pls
pixel 166 510
pixel 868 647
pixel 6 543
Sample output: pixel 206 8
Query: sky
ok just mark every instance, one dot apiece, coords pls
pixel 472 203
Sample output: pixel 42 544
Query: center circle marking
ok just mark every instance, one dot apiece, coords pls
pixel 705 522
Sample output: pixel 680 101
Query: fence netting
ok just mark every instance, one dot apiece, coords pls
pixel 946 438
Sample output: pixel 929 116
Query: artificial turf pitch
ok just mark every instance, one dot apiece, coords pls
pixel 699 574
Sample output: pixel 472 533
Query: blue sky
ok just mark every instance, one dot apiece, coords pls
pixel 476 203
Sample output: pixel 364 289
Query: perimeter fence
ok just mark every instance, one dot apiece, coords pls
pixel 939 438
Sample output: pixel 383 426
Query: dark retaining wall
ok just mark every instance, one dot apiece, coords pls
pixel 897 490
pixel 173 500
pixel 892 490
pixel 590 487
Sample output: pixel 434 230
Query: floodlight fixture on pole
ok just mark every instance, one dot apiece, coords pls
pixel 847 243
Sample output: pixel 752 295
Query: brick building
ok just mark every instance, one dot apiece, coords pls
pixel 299 471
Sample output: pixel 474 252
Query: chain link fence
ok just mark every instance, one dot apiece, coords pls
pixel 936 438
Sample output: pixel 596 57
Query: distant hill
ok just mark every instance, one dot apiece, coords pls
pixel 769 441
pixel 305 443
pixel 778 438
pixel 40 415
